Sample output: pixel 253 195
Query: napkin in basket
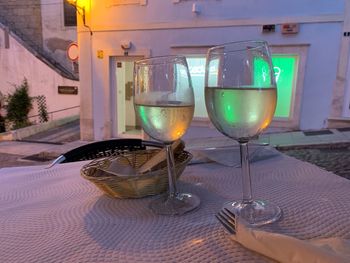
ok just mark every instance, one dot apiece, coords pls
pixel 285 248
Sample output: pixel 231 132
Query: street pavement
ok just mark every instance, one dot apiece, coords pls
pixel 328 149
pixel 334 159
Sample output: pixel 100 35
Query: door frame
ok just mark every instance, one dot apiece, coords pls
pixel 118 127
pixel 110 108
pixel 346 102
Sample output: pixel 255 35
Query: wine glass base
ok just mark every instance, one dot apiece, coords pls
pixel 255 213
pixel 177 205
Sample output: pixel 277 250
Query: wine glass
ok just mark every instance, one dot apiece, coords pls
pixel 240 97
pixel 164 104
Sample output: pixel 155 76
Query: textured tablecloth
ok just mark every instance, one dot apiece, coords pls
pixel 54 215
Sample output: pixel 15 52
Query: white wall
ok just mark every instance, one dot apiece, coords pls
pixel 161 11
pixel 17 63
pixel 162 25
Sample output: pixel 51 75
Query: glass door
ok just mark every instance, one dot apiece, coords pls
pixel 127 125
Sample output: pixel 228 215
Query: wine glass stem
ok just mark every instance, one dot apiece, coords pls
pixel 171 171
pixel 246 180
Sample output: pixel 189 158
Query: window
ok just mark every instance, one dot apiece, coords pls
pixel 285 66
pixel 196 66
pixel 70 17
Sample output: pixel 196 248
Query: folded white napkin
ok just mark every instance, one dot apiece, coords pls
pixel 289 249
pixel 119 166
pixel 230 156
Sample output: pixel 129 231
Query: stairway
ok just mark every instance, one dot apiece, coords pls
pixel 37 51
pixel 68 132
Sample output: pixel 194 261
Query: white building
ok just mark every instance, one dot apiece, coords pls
pixel 309 40
pixel 33 45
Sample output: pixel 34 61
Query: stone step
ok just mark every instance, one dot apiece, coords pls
pixel 61 134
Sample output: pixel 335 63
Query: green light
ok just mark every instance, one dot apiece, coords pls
pixel 142 113
pixel 228 112
pixel 262 73
pixel 284 66
pixel 145 115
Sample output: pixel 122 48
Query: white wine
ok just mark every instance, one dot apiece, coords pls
pixel 240 113
pixel 165 122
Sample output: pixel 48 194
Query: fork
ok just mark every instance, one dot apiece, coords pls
pixel 281 247
pixel 227 219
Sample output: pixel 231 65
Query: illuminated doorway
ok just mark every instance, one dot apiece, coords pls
pixel 285 66
pixel 125 123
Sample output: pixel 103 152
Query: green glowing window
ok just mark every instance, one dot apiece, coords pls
pixel 285 67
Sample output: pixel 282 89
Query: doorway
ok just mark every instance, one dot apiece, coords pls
pixel 125 123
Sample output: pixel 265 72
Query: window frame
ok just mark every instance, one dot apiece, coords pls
pixel 298 50
pixel 69 15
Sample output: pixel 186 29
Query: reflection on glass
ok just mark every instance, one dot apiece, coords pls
pixel 164 104
pixel 241 96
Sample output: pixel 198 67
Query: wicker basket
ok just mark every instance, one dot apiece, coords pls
pixel 135 186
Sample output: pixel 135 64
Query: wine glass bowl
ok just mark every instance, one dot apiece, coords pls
pixel 164 104
pixel 241 96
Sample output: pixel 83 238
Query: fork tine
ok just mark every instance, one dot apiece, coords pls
pixel 231 215
pixel 228 218
pixel 225 223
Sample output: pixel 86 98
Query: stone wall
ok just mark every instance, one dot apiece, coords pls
pixel 24 18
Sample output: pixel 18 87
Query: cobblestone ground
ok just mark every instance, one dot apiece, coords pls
pixel 336 160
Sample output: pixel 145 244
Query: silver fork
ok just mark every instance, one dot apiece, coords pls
pixel 227 219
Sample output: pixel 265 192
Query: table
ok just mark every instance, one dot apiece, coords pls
pixel 54 215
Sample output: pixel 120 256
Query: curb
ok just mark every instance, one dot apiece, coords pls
pixel 33 129
pixel 326 145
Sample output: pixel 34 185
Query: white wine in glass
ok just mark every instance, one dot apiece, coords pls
pixel 241 112
pixel 164 104
pixel 166 121
pixel 241 97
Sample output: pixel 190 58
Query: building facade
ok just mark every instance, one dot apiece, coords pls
pixel 25 17
pixel 309 42
pixel 59 30
pixel 33 46
pixel 44 25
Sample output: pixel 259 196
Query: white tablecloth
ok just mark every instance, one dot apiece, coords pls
pixel 54 215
